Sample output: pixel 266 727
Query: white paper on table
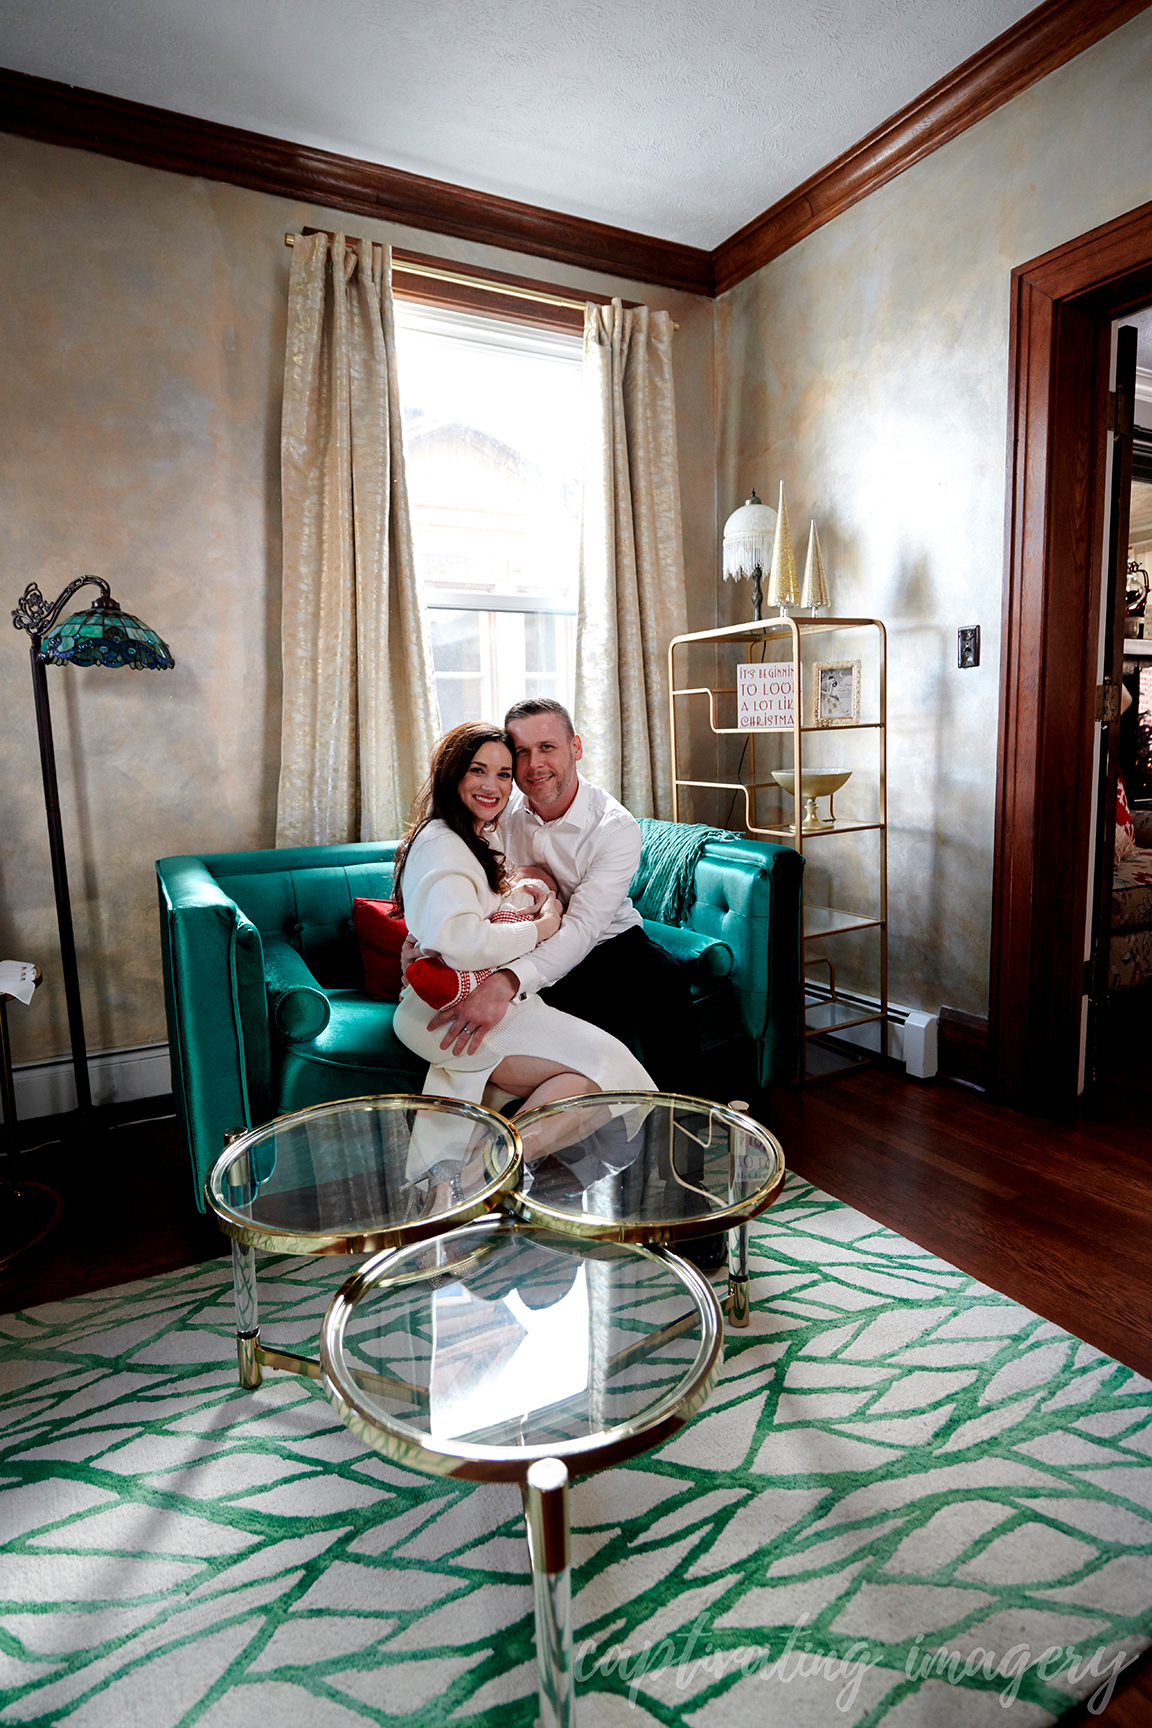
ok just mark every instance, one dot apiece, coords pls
pixel 17 978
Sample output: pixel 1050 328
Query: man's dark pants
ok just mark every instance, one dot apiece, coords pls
pixel 632 988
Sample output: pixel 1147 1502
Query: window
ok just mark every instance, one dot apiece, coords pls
pixel 492 439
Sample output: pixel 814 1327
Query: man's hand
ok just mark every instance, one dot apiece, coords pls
pixel 474 1018
pixel 548 918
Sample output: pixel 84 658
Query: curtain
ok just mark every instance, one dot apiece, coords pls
pixel 360 712
pixel 632 596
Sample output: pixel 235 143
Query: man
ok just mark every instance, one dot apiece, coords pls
pixel 600 965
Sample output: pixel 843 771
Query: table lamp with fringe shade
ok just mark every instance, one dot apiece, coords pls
pixel 749 536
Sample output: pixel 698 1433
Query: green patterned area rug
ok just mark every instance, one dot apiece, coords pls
pixel 909 1502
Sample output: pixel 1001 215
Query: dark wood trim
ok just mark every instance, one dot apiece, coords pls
pixel 962 1047
pixel 1047 38
pixel 181 144
pixel 1061 311
pixel 461 297
pixel 1054 33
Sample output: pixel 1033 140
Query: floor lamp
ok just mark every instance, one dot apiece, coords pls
pixel 101 636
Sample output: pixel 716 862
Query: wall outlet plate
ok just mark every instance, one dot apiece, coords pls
pixel 968 646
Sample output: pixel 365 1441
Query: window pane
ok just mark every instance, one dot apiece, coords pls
pixel 492 442
pixel 458 657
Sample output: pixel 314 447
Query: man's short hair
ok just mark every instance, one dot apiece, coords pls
pixel 539 705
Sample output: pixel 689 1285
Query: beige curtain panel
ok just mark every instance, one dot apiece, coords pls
pixel 632 595
pixel 360 711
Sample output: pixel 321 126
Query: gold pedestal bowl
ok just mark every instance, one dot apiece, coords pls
pixel 814 783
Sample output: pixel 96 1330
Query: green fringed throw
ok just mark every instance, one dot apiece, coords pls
pixel 663 886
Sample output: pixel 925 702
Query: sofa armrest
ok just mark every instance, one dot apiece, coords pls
pixel 217 1011
pixel 1142 823
pixel 713 958
pixel 298 1007
pixel 748 894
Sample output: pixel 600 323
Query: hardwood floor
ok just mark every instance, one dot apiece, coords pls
pixel 1056 1214
pixel 128 1207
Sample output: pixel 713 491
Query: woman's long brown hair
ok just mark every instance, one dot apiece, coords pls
pixel 439 797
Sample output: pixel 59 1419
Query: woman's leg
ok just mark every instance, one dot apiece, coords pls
pixel 546 1082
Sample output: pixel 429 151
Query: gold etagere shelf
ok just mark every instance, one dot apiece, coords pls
pixel 826 1012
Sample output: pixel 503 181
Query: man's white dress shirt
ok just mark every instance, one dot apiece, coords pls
pixel 592 851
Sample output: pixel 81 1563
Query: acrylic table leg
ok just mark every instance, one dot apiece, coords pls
pixel 738 1276
pixel 247 1315
pixel 546 1514
pixel 738 1238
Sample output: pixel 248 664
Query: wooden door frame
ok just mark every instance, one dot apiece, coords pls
pixel 1062 307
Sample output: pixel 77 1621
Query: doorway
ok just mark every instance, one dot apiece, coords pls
pixel 1063 306
pixel 1124 933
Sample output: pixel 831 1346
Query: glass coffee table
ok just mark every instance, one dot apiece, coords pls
pixel 649 1167
pixel 506 1353
pixel 353 1177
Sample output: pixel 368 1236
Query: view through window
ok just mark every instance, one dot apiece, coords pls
pixel 492 444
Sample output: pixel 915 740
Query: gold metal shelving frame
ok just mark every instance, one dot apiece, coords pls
pixel 825 1012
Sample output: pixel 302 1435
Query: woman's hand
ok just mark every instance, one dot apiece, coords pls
pixel 548 919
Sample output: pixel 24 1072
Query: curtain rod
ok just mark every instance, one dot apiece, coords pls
pixel 438 275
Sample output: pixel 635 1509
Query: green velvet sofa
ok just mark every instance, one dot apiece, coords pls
pixel 265 998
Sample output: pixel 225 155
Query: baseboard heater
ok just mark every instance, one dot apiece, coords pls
pixel 911 1031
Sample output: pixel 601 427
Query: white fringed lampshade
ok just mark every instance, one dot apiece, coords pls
pixel 749 534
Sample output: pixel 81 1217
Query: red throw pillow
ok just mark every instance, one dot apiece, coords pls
pixel 380 931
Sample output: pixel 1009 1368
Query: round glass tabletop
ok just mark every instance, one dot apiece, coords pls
pixel 363 1174
pixel 644 1166
pixel 478 1353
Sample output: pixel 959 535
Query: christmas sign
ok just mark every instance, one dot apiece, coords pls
pixel 765 695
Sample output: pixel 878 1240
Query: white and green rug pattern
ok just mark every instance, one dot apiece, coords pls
pixel 909 1502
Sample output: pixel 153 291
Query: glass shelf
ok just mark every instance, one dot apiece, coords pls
pixel 814 833
pixel 822 1015
pixel 826 921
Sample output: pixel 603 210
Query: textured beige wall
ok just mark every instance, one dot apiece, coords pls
pixel 143 334
pixel 867 369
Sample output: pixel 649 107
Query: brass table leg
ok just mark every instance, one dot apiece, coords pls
pixel 546 1515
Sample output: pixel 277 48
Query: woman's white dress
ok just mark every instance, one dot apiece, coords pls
pixel 447 907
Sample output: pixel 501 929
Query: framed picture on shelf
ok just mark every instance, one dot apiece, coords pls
pixel 837 692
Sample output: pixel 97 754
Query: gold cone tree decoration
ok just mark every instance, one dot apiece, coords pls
pixel 783 584
pixel 815 591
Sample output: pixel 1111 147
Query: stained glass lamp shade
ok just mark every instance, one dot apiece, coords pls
pixel 103 635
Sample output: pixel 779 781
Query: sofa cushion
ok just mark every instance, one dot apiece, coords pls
pixel 380 931
pixel 357 1055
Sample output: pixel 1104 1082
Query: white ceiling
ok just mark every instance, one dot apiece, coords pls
pixel 678 118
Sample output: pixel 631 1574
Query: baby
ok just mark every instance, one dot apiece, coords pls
pixel 444 986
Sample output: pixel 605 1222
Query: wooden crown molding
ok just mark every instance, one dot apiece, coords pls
pixel 159 138
pixel 1047 38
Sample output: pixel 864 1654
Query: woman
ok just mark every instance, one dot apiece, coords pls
pixel 450 880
